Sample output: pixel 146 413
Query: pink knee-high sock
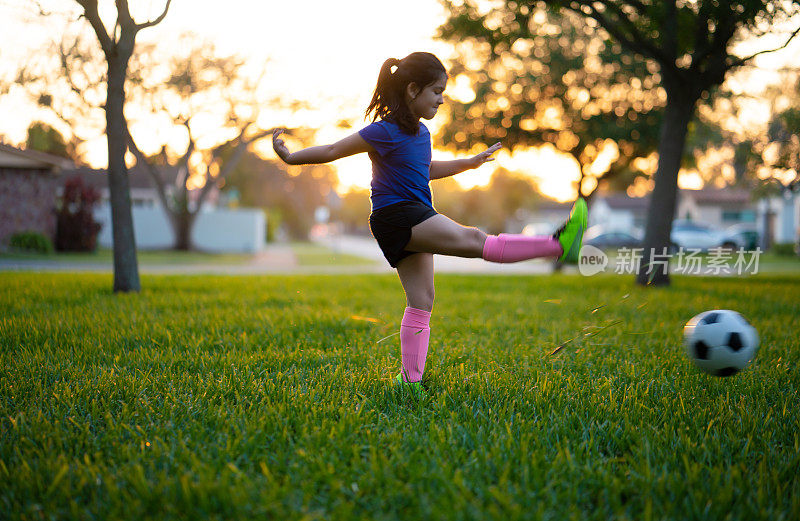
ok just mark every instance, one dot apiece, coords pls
pixel 514 248
pixel 415 332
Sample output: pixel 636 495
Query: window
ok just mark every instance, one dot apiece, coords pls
pixel 748 216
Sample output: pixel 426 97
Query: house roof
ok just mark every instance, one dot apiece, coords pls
pixel 138 177
pixel 13 157
pixel 718 196
pixel 706 196
pixel 625 202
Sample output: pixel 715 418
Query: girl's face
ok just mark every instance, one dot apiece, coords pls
pixel 425 103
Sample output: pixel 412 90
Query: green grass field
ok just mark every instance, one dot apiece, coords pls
pixel 269 398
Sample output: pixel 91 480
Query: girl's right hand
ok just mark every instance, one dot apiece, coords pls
pixel 279 146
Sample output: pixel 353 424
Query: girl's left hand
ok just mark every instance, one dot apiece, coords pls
pixel 485 156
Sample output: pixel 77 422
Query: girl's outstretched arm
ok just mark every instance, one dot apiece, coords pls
pixel 353 144
pixel 440 169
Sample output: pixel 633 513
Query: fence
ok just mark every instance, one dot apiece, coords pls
pixel 215 230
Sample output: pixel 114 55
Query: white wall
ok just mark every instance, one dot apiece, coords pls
pixel 217 230
pixel 242 230
pixel 601 213
pixel 787 224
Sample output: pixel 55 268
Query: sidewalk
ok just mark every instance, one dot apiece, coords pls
pixel 367 247
pixel 273 259
pixel 280 259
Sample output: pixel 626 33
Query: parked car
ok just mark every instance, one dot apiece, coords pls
pixel 605 238
pixel 744 234
pixel 690 234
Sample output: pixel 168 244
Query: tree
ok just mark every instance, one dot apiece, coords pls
pixel 118 46
pixel 353 212
pixel 44 138
pixel 780 145
pixel 197 85
pixel 492 208
pixel 187 93
pixel 543 77
pixel 682 45
pixel 294 192
pixel 761 157
pixel 689 42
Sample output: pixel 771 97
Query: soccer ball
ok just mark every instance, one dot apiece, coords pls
pixel 720 342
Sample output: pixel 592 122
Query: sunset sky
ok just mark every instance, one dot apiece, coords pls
pixel 325 53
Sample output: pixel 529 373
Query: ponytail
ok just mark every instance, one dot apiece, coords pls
pixel 388 100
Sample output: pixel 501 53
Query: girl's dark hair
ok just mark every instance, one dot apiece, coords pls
pixel 389 102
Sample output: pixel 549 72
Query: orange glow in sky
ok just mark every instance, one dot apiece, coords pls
pixel 324 53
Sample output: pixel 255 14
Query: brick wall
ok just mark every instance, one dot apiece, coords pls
pixel 27 202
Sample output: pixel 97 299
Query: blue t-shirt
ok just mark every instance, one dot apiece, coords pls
pixel 401 164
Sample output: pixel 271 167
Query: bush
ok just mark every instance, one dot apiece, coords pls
pixel 274 220
pixel 31 242
pixel 76 229
pixel 787 249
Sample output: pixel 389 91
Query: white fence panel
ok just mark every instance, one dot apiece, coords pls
pixel 242 230
pixel 217 230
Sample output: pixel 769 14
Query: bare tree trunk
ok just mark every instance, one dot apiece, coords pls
pixel 678 112
pixel 117 53
pixel 126 269
pixel 182 224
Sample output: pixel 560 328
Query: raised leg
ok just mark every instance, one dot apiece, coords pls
pixel 442 235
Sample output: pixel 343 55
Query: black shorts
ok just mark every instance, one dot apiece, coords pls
pixel 391 226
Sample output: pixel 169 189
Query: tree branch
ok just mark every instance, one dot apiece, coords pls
pixel 671 31
pixel 724 31
pixel 702 42
pixel 230 164
pixel 124 14
pixel 156 21
pixel 42 12
pixel 154 175
pixel 633 41
pixel 741 61
pixel 183 162
pixel 632 30
pixel 91 14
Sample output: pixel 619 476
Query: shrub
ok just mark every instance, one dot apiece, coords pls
pixel 31 242
pixel 274 220
pixel 787 249
pixel 76 229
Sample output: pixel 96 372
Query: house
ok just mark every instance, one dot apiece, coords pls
pixel 778 216
pixel 142 189
pixel 242 230
pixel 717 207
pixel 29 183
pixel 619 211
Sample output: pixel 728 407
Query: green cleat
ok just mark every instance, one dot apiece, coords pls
pixel 571 232
pixel 415 388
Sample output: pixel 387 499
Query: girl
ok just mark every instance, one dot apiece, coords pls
pixel 403 221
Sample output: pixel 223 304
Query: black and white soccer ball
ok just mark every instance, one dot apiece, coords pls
pixel 720 342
